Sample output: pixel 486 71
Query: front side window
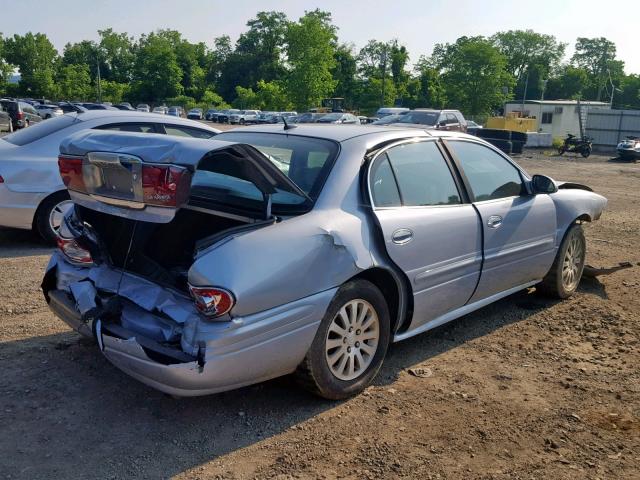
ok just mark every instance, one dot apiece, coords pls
pixel 490 175
pixel 422 175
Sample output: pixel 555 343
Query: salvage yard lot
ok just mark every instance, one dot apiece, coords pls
pixel 524 388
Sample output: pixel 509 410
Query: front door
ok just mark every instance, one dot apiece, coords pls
pixel 519 229
pixel 429 232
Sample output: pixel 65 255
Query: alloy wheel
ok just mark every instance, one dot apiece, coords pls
pixel 352 339
pixel 57 214
pixel 572 263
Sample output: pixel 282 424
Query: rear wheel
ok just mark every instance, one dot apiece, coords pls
pixel 561 149
pixel 565 273
pixel 350 344
pixel 50 214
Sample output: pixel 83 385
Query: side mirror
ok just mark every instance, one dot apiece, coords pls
pixel 543 184
pixel 442 123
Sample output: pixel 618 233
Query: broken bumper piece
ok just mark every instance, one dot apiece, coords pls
pixel 214 357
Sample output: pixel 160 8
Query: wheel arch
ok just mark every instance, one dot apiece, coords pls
pixel 394 292
pixel 34 220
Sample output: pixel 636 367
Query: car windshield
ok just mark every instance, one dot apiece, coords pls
pixel 40 130
pixel 421 118
pixel 305 160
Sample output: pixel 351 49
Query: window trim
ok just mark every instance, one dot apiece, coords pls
pixel 161 127
pixel 109 126
pixel 524 176
pixel 464 199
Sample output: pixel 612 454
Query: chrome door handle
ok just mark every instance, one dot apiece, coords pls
pixel 402 236
pixel 494 221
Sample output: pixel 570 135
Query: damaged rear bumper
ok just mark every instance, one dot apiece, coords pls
pixel 226 355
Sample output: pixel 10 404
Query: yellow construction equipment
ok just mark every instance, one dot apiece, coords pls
pixel 513 122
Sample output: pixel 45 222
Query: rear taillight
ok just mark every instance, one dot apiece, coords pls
pixel 1 179
pixel 212 301
pixel 71 173
pixel 20 115
pixel 167 186
pixel 74 252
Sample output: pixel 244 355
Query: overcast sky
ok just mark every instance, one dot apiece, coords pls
pixel 418 24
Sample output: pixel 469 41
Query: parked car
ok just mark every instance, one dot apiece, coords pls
pixel 387 119
pixel 47 111
pixel 473 127
pixel 143 107
pixel 244 117
pixel 175 111
pixel 334 265
pixel 385 111
pixel 224 115
pixel 99 106
pixel 309 117
pixel 68 107
pixel 337 117
pixel 32 195
pixel 629 148
pixel 208 115
pixel 449 120
pixel 160 110
pixel 195 114
pixel 6 125
pixel 125 106
pixel 22 114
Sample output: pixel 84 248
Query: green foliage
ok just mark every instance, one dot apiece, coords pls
pixel 117 56
pixel 74 83
pixel 272 96
pixel 570 83
pixel 246 98
pixel 157 74
pixel 474 74
pixel 37 59
pixel 114 92
pixel 311 45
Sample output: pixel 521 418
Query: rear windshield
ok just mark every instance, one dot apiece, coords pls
pixel 422 118
pixel 40 130
pixel 306 161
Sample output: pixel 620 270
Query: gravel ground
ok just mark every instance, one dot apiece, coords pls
pixel 525 388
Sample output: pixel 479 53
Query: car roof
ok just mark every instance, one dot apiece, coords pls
pixel 129 116
pixel 342 133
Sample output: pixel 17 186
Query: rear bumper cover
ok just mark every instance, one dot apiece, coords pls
pixel 232 354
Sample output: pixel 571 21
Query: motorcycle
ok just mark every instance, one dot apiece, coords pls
pixel 629 149
pixel 573 144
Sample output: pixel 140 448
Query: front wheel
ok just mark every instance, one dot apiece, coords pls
pixel 350 344
pixel 586 151
pixel 564 276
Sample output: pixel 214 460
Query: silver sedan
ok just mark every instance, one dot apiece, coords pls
pixel 200 267
pixel 32 194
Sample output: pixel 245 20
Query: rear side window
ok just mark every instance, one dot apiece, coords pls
pixel 384 189
pixel 40 130
pixel 181 131
pixel 491 176
pixel 130 127
pixel 423 176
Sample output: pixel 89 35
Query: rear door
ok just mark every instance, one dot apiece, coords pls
pixel 519 228
pixel 429 230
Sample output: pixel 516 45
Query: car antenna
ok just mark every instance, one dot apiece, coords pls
pixel 286 125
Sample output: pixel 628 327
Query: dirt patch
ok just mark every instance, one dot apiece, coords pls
pixel 524 388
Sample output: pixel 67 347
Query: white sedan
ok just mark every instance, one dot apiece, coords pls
pixel 32 195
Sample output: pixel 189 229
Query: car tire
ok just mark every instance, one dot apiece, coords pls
pixel 339 339
pixel 494 133
pixel 51 208
pixel 242 121
pixel 563 278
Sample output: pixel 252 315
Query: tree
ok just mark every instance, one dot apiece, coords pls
pixel 114 92
pixel 474 74
pixel 262 46
pixel 311 44
pixel 84 53
pixel 117 53
pixel 344 74
pixel 531 58
pixel 36 57
pixel 272 96
pixel 569 84
pixel 630 95
pixel 598 57
pixel 5 67
pixel 427 90
pixel 246 98
pixel 74 83
pixel 157 74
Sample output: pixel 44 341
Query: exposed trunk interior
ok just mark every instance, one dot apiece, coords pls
pixel 161 252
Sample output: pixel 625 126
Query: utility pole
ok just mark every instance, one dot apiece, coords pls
pixel 524 95
pixel 384 71
pixel 99 84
